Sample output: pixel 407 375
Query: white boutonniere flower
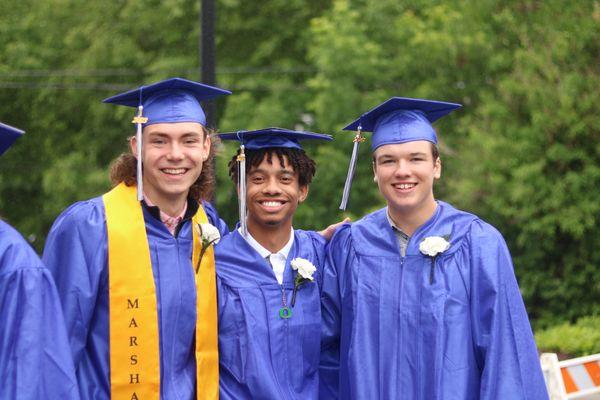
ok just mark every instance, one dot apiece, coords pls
pixel 304 273
pixel 433 246
pixel 304 267
pixel 209 235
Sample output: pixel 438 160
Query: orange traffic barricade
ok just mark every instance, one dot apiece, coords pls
pixel 577 378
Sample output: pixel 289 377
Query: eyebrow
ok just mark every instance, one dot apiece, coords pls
pixel 416 153
pixel 186 134
pixel 263 171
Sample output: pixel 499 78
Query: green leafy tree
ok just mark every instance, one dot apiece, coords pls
pixel 533 165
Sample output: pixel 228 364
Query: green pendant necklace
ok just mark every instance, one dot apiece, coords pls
pixel 284 312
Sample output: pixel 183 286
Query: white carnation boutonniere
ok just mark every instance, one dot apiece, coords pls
pixel 209 235
pixel 304 273
pixel 433 246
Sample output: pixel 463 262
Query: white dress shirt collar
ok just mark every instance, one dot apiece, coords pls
pixel 278 259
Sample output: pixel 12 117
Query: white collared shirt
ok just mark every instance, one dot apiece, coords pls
pixel 277 260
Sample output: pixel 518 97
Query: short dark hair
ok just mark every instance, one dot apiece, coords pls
pixel 435 152
pixel 297 158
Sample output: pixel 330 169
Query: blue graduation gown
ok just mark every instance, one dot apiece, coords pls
pixel 261 355
pixel 76 252
pixel 388 333
pixel 35 358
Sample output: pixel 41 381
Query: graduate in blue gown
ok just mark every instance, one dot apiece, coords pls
pixel 420 299
pixel 269 341
pixel 176 155
pixel 35 357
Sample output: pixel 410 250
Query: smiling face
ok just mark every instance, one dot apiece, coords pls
pixel 273 194
pixel 172 157
pixel 405 173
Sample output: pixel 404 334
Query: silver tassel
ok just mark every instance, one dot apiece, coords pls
pixel 350 177
pixel 241 159
pixel 139 120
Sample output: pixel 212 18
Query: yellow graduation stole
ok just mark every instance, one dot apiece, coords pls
pixel 134 347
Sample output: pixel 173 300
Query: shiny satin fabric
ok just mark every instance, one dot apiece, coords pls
pixel 390 333
pixel 207 343
pixel 263 356
pixel 133 319
pixel 35 357
pixel 76 253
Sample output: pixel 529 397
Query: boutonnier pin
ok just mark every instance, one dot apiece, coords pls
pixel 208 235
pixel 433 246
pixel 304 273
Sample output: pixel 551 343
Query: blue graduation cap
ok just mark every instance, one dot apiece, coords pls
pixel 170 101
pixel 401 120
pixel 272 137
pixel 397 120
pixel 8 135
pixel 264 139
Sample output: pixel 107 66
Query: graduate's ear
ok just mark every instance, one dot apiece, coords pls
pixel 206 143
pixel 437 168
pixel 303 193
pixel 374 171
pixel 133 145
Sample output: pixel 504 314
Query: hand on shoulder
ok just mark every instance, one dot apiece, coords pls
pixel 328 232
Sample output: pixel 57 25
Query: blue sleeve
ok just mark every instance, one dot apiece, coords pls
pixel 214 219
pixel 319 246
pixel 504 341
pixel 76 255
pixel 339 257
pixel 35 357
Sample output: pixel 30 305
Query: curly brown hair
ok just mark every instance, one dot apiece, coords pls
pixel 297 159
pixel 123 169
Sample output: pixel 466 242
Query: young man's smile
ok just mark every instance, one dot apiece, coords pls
pixel 404 187
pixel 272 206
pixel 175 171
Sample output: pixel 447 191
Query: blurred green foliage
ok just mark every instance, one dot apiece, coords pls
pixel 524 153
pixel 579 339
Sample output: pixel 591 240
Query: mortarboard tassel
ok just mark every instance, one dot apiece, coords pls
pixel 139 120
pixel 241 160
pixel 348 185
